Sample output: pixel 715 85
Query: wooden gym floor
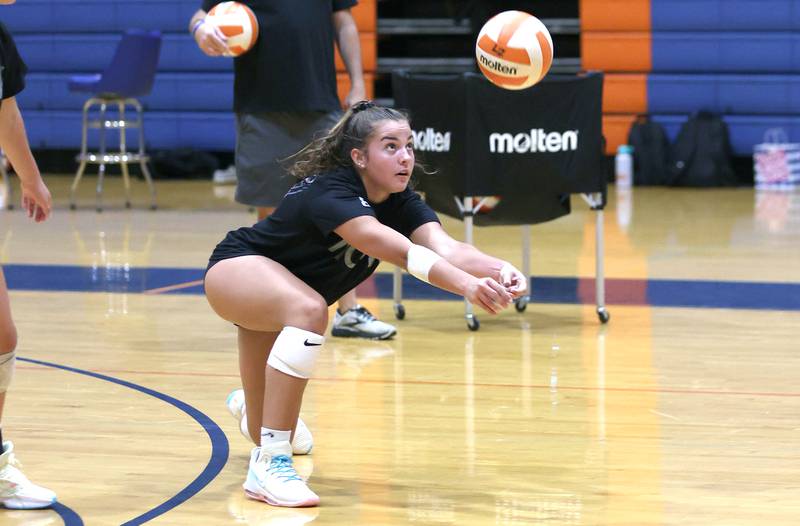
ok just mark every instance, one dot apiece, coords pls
pixel 683 410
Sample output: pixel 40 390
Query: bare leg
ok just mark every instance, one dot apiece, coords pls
pixel 348 301
pixel 283 397
pixel 18 492
pixel 8 332
pixel 254 347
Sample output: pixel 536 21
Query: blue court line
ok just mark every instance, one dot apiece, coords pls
pixel 69 517
pixel 652 292
pixel 219 446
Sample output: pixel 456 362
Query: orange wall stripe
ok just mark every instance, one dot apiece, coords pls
pixel 616 51
pixel 625 93
pixel 615 130
pixel 615 15
pixel 365 14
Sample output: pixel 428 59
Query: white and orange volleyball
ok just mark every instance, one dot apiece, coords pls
pixel 514 50
pixel 237 22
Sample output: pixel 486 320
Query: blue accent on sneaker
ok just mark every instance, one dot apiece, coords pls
pixel 283 467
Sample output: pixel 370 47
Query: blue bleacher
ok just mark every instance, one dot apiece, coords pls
pixel 177 92
pixel 740 58
pixel 164 130
pixel 724 93
pixel 76 53
pixel 724 15
pixel 191 102
pixel 97 16
pixel 734 52
pixel 745 130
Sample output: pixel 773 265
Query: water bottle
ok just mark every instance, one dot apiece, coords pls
pixel 623 166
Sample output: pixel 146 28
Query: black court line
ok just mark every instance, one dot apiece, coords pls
pixel 219 449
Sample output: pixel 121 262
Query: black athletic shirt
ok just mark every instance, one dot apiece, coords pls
pixel 12 74
pixel 299 234
pixel 291 67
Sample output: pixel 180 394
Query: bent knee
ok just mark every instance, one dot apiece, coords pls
pixel 310 313
pixel 8 340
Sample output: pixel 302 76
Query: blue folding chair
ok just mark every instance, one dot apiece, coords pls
pixel 129 75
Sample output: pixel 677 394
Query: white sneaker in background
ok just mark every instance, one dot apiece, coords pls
pixel 16 491
pixel 226 176
pixel 303 441
pixel 358 322
pixel 271 478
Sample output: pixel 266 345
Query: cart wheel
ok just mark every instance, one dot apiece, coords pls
pixel 399 311
pixel 521 303
pixel 603 314
pixel 472 322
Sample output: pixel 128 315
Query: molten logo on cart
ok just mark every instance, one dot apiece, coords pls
pixel 538 140
pixel 430 140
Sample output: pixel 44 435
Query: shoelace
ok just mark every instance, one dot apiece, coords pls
pixel 281 466
pixel 363 314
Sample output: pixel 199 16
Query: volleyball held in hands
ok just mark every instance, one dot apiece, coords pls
pixel 514 50
pixel 237 22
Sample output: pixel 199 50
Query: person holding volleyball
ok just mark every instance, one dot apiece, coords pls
pixel 351 208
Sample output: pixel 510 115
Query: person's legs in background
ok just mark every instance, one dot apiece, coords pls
pixel 16 491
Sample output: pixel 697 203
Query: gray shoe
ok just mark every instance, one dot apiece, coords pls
pixel 358 322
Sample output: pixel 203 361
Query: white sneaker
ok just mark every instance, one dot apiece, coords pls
pixel 16 491
pixel 358 322
pixel 273 479
pixel 303 441
pixel 226 176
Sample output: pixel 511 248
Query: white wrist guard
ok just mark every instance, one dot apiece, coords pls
pixel 420 260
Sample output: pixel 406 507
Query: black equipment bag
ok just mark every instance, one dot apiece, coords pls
pixel 650 152
pixel 701 154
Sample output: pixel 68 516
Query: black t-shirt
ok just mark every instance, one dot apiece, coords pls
pixel 12 68
pixel 299 234
pixel 291 67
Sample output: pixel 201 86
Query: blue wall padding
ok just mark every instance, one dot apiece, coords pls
pixel 92 53
pixel 774 52
pixel 215 130
pixel 725 15
pixel 171 92
pixel 743 94
pixel 102 16
pixel 204 131
pixel 745 130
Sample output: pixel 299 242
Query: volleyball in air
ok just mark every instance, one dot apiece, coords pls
pixel 237 22
pixel 514 50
